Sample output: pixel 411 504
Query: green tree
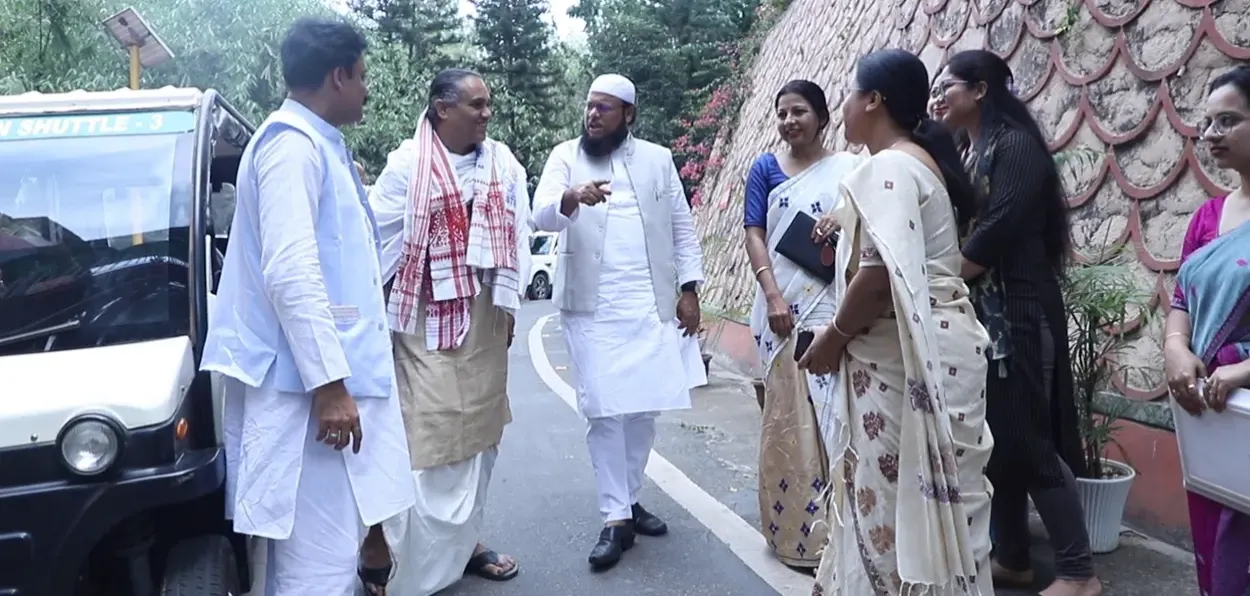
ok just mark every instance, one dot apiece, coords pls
pixel 397 96
pixel 59 45
pixel 411 40
pixel 519 64
pixel 673 50
pixel 574 74
pixel 431 31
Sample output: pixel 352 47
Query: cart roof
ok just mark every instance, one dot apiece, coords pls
pixel 165 98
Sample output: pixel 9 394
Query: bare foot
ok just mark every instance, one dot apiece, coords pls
pixel 1003 574
pixel 1070 587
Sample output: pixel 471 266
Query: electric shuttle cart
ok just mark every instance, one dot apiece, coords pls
pixel 114 209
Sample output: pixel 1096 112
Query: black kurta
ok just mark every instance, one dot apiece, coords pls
pixel 1029 426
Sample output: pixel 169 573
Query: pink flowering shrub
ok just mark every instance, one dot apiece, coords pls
pixel 716 119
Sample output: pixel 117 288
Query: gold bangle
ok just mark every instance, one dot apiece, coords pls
pixel 761 270
pixel 834 323
pixel 1175 334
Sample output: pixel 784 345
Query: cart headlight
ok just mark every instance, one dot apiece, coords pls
pixel 90 446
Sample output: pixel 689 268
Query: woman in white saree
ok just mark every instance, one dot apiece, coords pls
pixel 910 503
pixel 793 464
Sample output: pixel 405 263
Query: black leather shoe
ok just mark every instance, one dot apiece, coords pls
pixel 647 524
pixel 613 541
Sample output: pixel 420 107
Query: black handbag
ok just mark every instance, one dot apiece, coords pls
pixel 816 258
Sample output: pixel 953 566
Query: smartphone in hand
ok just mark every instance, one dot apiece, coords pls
pixel 802 342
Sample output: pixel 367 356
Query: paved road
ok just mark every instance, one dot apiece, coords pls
pixel 701 480
pixel 542 503
pixel 542 507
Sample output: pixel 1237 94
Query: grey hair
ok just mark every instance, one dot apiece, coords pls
pixel 446 88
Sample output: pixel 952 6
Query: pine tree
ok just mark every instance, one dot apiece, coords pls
pixel 518 62
pixel 671 49
pixel 431 31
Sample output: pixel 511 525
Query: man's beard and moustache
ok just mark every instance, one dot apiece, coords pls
pixel 606 144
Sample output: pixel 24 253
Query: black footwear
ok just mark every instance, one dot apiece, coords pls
pixel 373 579
pixel 613 541
pixel 647 524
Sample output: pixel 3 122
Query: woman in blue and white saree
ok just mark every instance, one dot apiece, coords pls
pixel 794 464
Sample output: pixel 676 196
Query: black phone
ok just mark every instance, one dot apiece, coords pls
pixel 802 342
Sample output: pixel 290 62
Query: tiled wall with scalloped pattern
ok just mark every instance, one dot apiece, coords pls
pixel 1119 84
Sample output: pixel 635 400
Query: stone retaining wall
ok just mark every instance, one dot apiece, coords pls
pixel 1117 85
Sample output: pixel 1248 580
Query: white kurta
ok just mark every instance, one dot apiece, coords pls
pixel 626 359
pixel 309 502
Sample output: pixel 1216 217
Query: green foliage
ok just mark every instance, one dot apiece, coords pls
pixel 1074 162
pixel 574 79
pixel 56 46
pixel 1103 300
pixel 677 52
pixel 718 117
pixel 231 46
pixel 411 40
pixel 689 60
pixel 397 90
pixel 430 31
pixel 520 65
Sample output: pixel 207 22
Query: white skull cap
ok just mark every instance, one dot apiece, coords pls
pixel 615 85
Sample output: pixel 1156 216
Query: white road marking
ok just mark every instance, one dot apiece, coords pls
pixel 742 539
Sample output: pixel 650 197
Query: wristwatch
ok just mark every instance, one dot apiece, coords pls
pixel 689 286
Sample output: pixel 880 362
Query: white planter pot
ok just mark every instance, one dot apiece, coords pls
pixel 1103 500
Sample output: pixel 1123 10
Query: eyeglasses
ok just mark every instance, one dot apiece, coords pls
pixel 942 87
pixel 601 107
pixel 1220 125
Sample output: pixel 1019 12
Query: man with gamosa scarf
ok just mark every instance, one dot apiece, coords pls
pixel 453 214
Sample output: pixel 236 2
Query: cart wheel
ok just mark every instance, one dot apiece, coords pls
pixel 201 566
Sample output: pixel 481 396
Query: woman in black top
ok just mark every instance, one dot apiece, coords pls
pixel 1014 257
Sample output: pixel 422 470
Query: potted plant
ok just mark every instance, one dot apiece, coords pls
pixel 1102 299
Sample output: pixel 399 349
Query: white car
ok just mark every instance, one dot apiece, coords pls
pixel 542 265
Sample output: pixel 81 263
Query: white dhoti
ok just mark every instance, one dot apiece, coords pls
pixel 438 535
pixel 455 405
pixel 629 364
pixel 308 504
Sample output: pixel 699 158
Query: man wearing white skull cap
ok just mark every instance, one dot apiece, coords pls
pixel 626 285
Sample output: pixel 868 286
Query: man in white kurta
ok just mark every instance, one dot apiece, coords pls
pixel 452 384
pixel 298 334
pixel 628 251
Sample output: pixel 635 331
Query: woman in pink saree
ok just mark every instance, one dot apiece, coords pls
pixel 1207 334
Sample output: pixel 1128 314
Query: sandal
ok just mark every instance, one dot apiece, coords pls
pixel 478 563
pixel 374 580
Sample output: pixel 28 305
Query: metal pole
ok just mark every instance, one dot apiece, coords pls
pixel 135 67
pixel 136 203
